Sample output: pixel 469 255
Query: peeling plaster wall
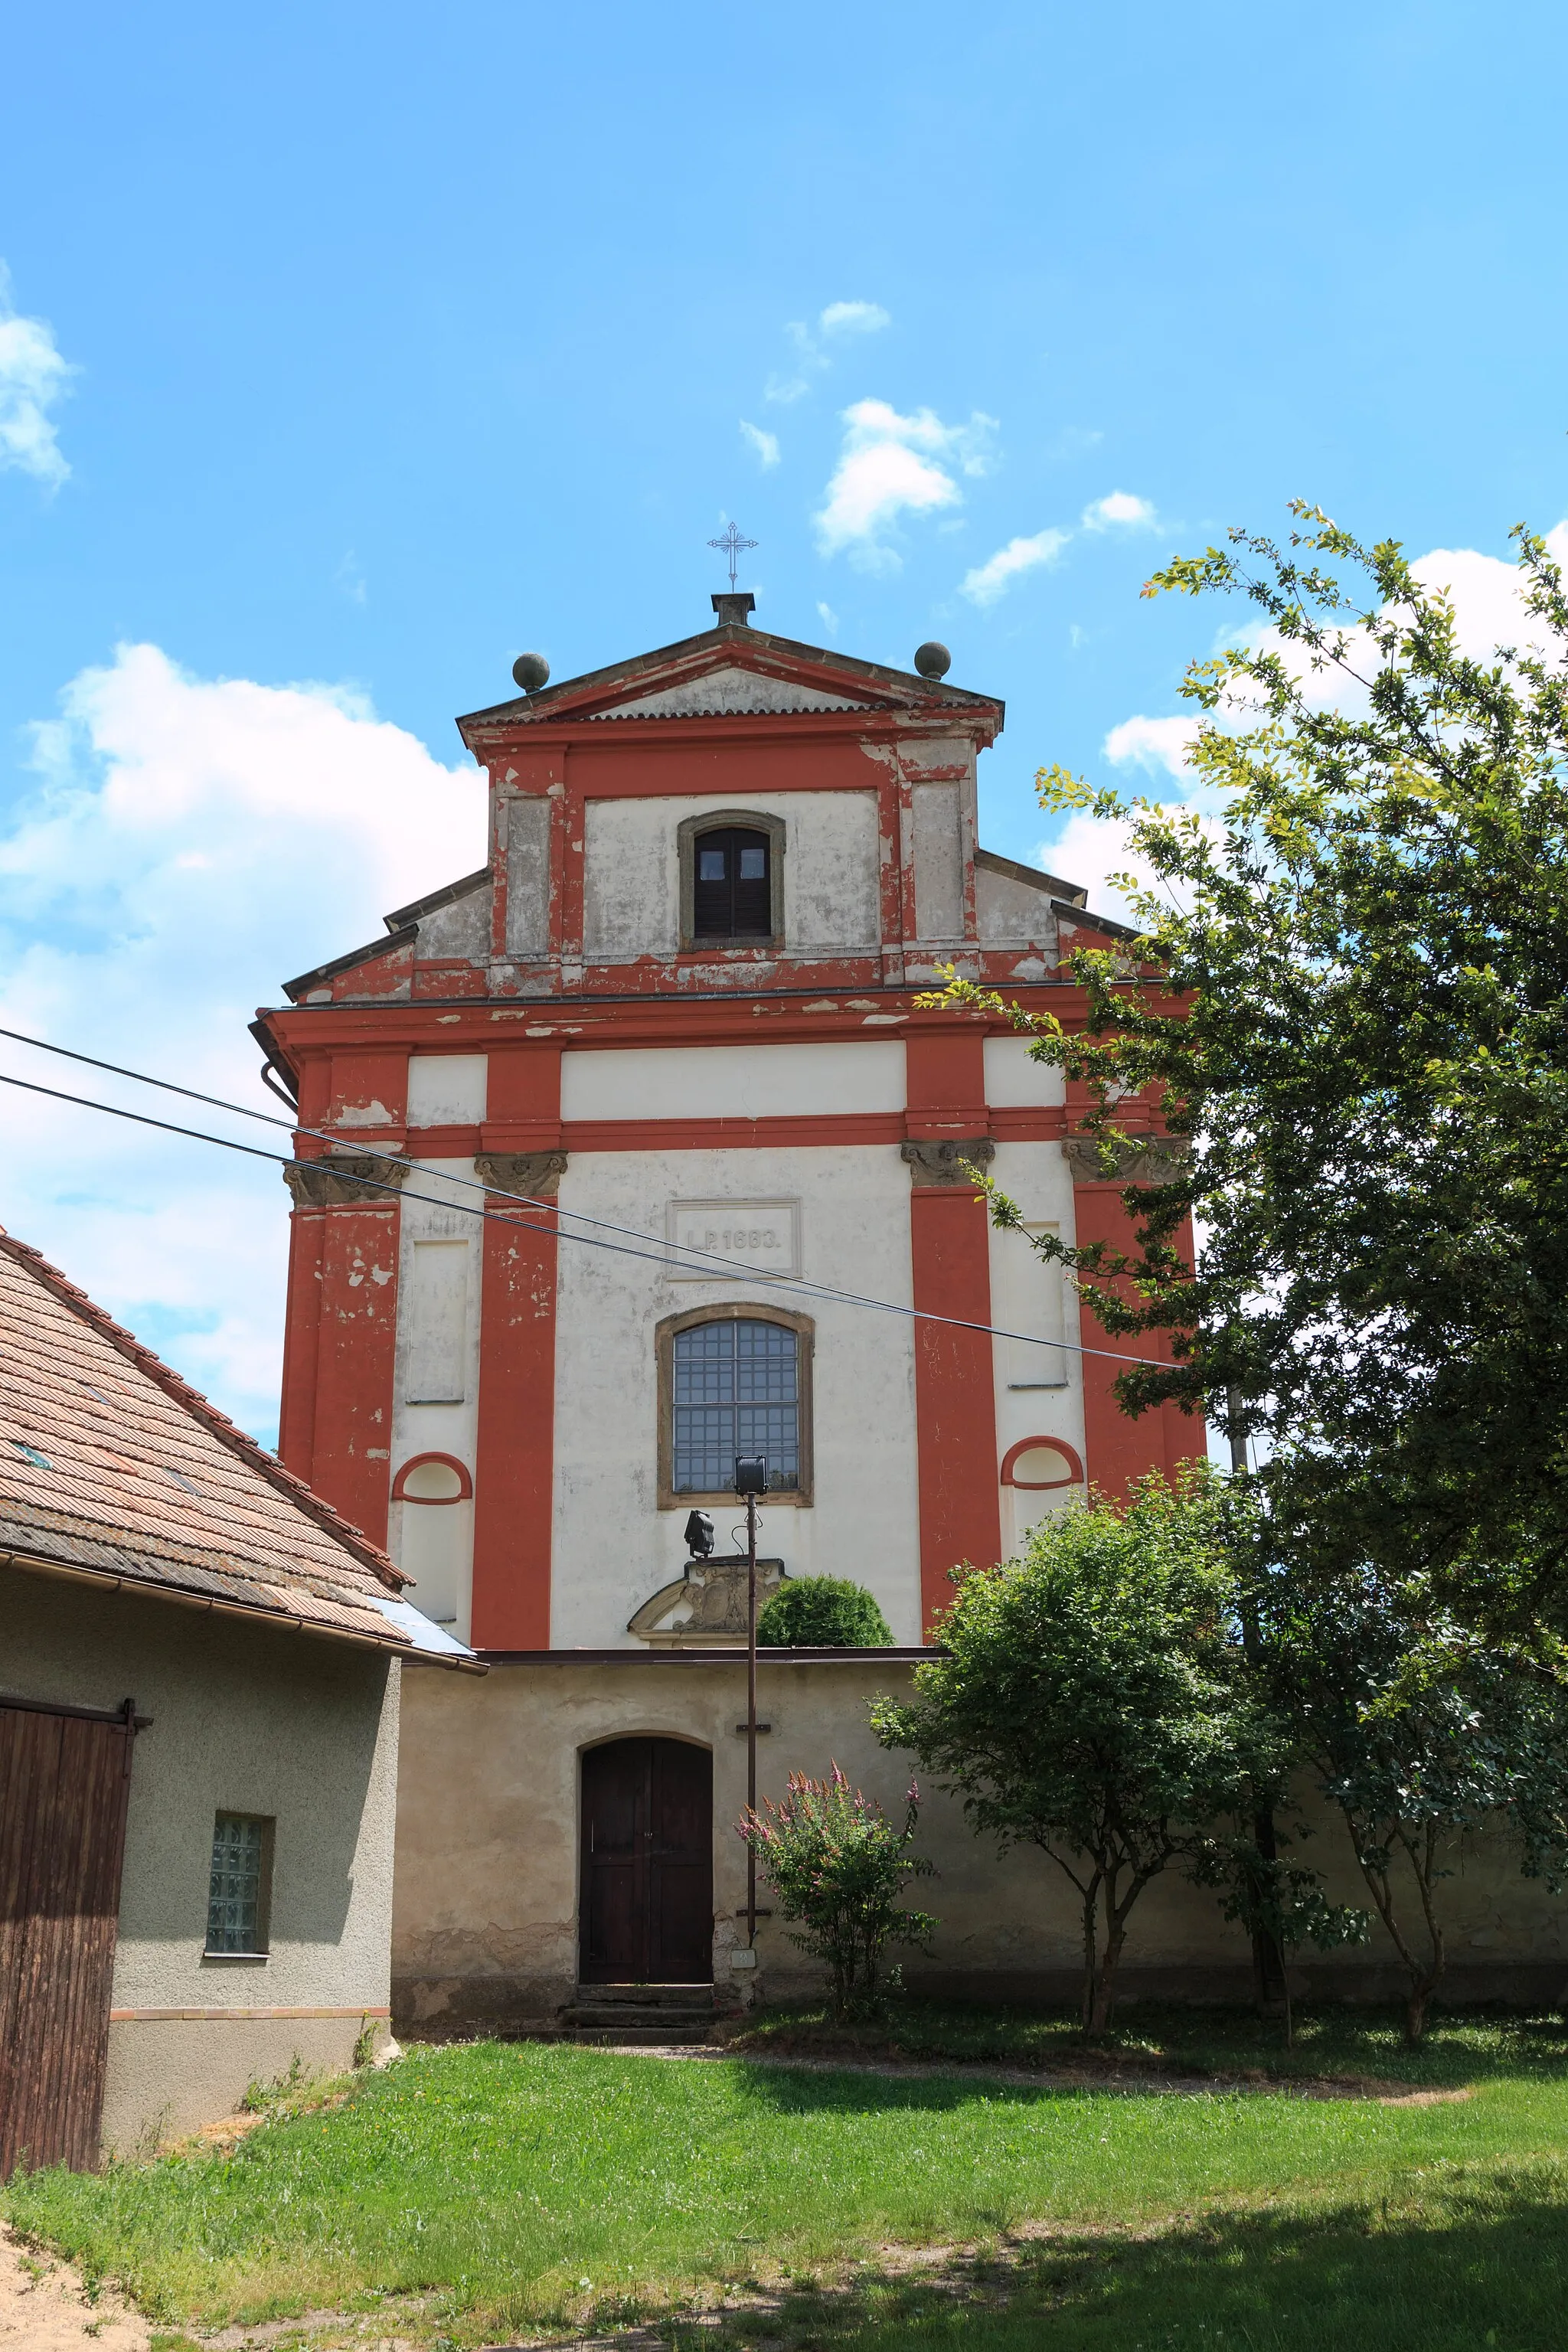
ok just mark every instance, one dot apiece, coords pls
pixel 632 875
pixel 485 1927
pixel 734 1082
pixel 936 824
pixel 1039 1390
pixel 527 876
pixel 614 1547
pixel 438 1295
pixel 460 931
pixel 1013 913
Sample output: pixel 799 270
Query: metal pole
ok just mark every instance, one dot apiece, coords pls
pixel 751 1714
pixel 1267 1953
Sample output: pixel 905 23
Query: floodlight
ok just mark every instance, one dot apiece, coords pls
pixel 751 1473
pixel 699 1535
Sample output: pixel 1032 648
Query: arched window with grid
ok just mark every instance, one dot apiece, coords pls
pixel 735 1389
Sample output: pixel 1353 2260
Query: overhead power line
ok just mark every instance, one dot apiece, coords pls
pixel 633 1243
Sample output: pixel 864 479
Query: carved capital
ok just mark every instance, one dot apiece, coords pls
pixel 535 1173
pixel 345 1181
pixel 1139 1160
pixel 942 1163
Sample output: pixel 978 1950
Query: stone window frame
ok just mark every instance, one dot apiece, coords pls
pixel 735 1311
pixel 688 833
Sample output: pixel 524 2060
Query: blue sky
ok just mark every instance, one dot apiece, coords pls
pixel 349 350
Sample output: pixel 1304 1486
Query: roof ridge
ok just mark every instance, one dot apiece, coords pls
pixel 181 1392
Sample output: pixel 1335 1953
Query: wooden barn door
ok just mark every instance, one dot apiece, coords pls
pixel 647 1907
pixel 65 1777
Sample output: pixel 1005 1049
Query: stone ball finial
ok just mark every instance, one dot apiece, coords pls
pixel 531 671
pixel 932 659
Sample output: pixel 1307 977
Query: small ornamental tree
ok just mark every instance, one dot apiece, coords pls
pixel 1414 1762
pixel 838 1866
pixel 822 1612
pixel 1093 1700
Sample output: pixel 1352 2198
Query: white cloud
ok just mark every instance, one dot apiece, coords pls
pixel 810 359
pixel 190 844
pixel 1151 743
pixel 891 466
pixel 829 618
pixel 33 377
pixel 1119 510
pixel 853 319
pixel 765 444
pixel 992 579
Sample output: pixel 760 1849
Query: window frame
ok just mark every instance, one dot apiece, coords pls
pixel 261 1949
pixel 689 833
pixel 735 1311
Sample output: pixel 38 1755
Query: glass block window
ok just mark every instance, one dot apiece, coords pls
pixel 736 1390
pixel 236 1891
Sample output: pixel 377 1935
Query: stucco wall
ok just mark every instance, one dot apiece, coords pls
pixel 245 1719
pixel 613 1547
pixel 631 874
pixel 485 1925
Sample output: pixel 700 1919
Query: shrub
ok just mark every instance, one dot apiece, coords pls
pixel 822 1612
pixel 838 1865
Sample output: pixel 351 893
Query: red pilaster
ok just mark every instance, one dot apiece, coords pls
pixel 514 1475
pixel 301 1342
pixel 356 1347
pixel 955 1400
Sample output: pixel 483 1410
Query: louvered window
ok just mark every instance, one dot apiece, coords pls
pixel 732 895
pixel 736 1390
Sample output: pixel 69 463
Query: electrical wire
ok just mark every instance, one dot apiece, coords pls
pixel 660 1254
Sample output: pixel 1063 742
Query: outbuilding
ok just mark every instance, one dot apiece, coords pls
pixel 200 1665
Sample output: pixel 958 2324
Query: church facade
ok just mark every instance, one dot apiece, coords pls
pixel 670 1039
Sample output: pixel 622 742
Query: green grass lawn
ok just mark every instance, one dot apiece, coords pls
pixel 507 2187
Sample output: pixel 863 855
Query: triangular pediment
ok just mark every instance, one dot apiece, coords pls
pixel 729 691
pixel 732 672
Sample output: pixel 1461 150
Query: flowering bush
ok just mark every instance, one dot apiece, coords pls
pixel 838 1866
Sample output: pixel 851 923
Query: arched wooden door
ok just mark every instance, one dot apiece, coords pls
pixel 647 1900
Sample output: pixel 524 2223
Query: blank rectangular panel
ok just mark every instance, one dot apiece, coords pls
pixel 935 819
pixel 446 1089
pixel 435 1304
pixel 1030 1302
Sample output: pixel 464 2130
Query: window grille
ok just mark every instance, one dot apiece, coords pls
pixel 736 1390
pixel 731 892
pixel 237 1890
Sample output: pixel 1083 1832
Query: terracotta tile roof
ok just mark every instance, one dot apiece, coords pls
pixel 113 1465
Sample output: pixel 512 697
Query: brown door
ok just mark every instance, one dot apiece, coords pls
pixel 65 1777
pixel 647 1863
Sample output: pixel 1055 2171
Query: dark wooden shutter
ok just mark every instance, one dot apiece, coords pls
pixel 65 1778
pixel 735 905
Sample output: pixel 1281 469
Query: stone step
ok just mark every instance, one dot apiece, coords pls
pixel 644 1995
pixel 615 2015
pixel 641 2033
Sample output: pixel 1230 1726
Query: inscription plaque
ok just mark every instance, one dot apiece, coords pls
pixel 761 1233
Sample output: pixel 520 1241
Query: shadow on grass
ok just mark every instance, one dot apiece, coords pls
pixel 1182 2043
pixel 1471 2265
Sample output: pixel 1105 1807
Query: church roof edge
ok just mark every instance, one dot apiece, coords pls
pixel 734 641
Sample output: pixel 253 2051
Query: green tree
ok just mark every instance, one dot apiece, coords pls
pixel 1350 1004
pixel 838 1866
pixel 1093 1700
pixel 1415 1764
pixel 822 1612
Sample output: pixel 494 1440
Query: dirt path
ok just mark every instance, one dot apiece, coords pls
pixel 43 2308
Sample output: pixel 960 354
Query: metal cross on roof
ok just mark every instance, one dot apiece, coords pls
pixel 732 545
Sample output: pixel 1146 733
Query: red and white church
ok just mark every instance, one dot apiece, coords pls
pixel 678 1008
